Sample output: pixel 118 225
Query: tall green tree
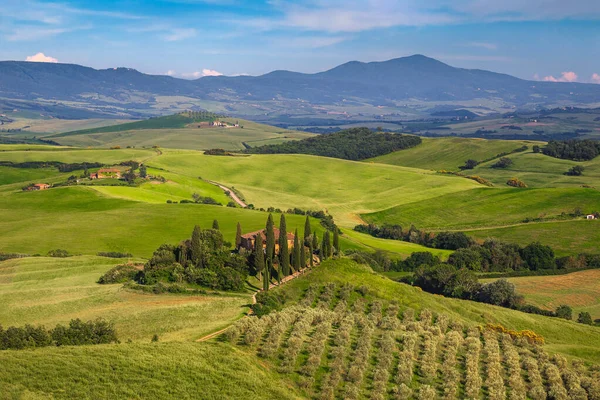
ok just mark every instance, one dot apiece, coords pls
pixel 302 256
pixel 267 275
pixel 259 255
pixel 336 241
pixel 326 246
pixel 215 225
pixel 296 256
pixel 311 251
pixel 238 235
pixel 307 230
pixel 143 171
pixel 315 241
pixel 284 251
pixel 270 239
pixel 196 246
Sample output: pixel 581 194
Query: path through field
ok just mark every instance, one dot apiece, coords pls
pixel 231 193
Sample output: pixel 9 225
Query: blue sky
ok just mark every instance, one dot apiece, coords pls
pixel 531 39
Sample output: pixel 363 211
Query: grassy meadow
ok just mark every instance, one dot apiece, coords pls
pixel 449 153
pixel 182 137
pixel 343 188
pixel 580 290
pixel 49 291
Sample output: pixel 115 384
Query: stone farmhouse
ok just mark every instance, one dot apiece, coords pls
pixel 249 239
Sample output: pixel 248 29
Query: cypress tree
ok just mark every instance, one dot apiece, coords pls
pixel 215 225
pixel 311 251
pixel 284 251
pixel 296 255
pixel 196 246
pixel 302 256
pixel 270 234
pixel 326 246
pixel 307 230
pixel 315 241
pixel 336 241
pixel 238 236
pixel 259 255
pixel 267 275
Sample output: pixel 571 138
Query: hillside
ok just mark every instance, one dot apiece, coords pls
pixel 184 130
pixel 124 91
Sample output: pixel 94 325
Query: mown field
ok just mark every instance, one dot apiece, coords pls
pixel 49 291
pixel 343 188
pixel 449 153
pixel 184 138
pixel 580 290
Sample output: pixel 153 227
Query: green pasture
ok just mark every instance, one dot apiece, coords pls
pixel 343 188
pixel 449 153
pixel 488 207
pixel 139 371
pixel 49 291
pixel 78 155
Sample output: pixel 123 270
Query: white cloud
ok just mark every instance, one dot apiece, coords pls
pixel 180 34
pixel 595 78
pixel 310 42
pixel 567 76
pixel 41 57
pixel 210 72
pixel 200 74
pixel 171 73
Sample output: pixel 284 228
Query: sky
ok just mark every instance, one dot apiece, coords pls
pixel 532 39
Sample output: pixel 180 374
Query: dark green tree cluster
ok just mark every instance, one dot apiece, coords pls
pixel 442 240
pixel 349 144
pixel 574 149
pixel 77 333
pixel 503 162
pixel 204 259
pixel 577 170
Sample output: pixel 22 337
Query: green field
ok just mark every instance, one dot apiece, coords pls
pixel 49 291
pixel 138 371
pixel 179 137
pixel 449 153
pixel 343 188
pixel 565 237
pixel 489 207
pixel 580 290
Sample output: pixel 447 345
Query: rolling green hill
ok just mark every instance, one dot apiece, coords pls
pixel 449 153
pixel 179 131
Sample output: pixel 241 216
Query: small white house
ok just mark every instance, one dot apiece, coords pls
pixel 590 216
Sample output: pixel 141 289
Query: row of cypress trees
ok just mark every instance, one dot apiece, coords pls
pixel 265 259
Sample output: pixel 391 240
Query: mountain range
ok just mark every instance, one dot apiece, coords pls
pixel 368 86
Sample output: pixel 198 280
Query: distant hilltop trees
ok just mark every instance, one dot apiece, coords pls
pixel 350 144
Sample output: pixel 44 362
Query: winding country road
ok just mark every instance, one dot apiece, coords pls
pixel 231 194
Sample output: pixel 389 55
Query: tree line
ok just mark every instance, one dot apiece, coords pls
pixel 350 144
pixel 492 255
pixel 77 333
pixel 574 149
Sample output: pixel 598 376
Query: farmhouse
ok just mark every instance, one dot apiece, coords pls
pixel 106 173
pixel 590 216
pixel 249 239
pixel 38 186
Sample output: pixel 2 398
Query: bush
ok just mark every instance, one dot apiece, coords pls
pixel 120 274
pixel 114 254
pixel 469 164
pixel 565 312
pixel 267 302
pixel 58 253
pixel 585 318
pixel 516 182
pixel 575 171
pixel 504 162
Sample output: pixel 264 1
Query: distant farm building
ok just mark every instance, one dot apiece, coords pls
pixel 106 173
pixel 590 216
pixel 38 186
pixel 249 239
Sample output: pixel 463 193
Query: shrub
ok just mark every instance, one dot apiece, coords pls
pixel 503 162
pixel 575 171
pixel 58 253
pixel 585 318
pixel 565 312
pixel 516 182
pixel 469 164
pixel 120 274
pixel 114 254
